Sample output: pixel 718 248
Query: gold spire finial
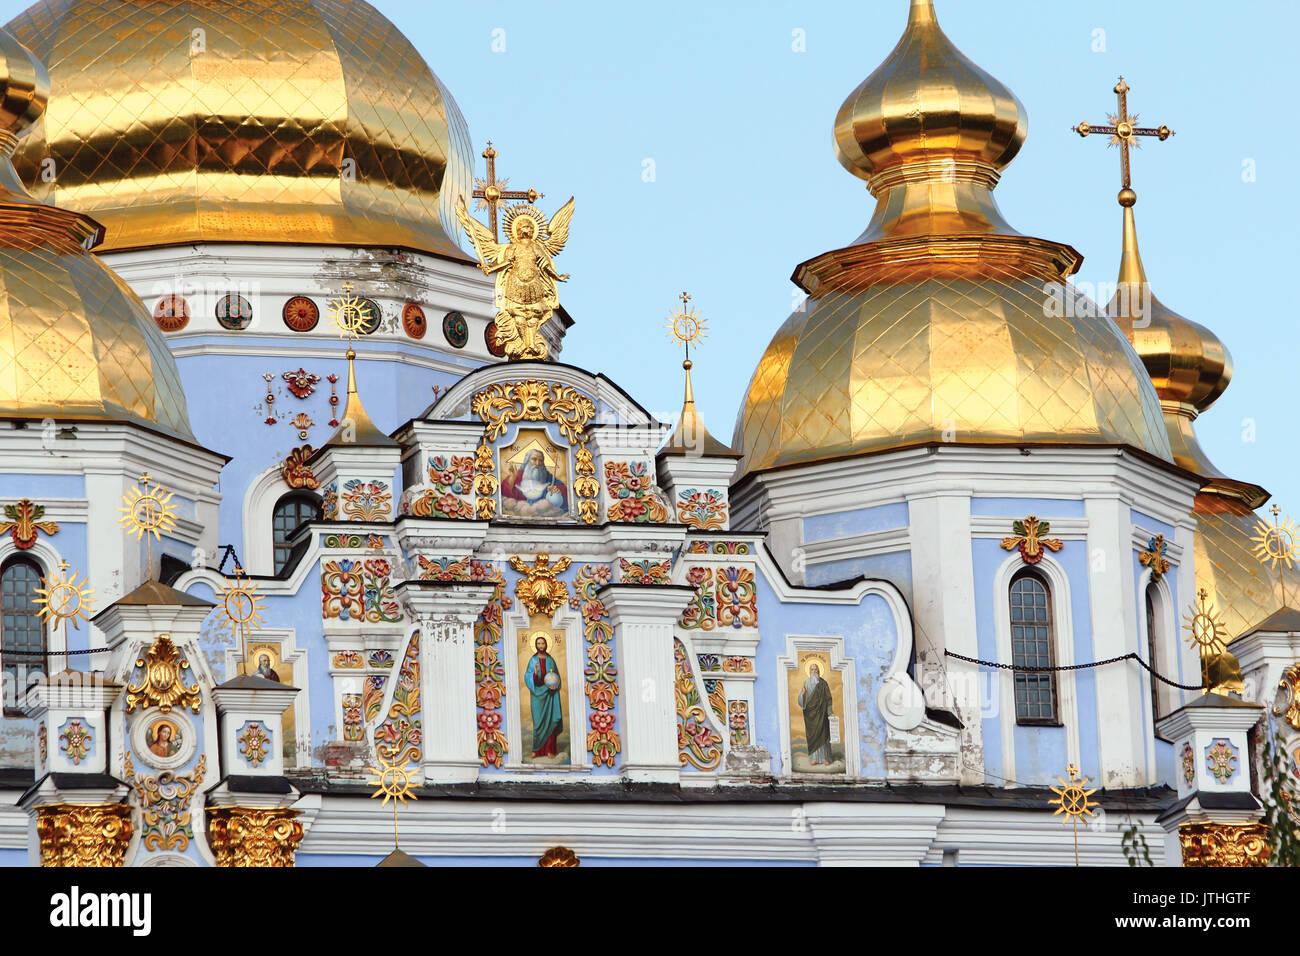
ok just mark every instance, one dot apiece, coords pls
pixel 1124 132
pixel 147 510
pixel 687 327
pixel 492 194
pixel 393 782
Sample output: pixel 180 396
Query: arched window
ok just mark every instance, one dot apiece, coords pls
pixel 290 513
pixel 1031 646
pixel 22 635
pixel 1153 604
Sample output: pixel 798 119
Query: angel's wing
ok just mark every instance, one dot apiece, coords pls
pixel 558 229
pixel 485 244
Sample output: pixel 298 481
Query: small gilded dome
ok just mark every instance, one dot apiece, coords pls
pixel 75 341
pixel 927 102
pixel 1186 361
pixel 277 121
pixel 940 323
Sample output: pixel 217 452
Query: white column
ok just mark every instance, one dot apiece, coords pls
pixel 1121 736
pixel 643 617
pixel 446 613
pixel 943 602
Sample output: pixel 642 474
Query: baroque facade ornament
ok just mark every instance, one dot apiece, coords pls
pixel 1290 683
pixel 1221 844
pixel 559 856
pixel 501 404
pixel 161 685
pixel 1028 537
pixel 23 521
pixel 83 836
pixel 295 470
pixel 253 837
pixel 165 805
pixel 1154 557
pixel 539 590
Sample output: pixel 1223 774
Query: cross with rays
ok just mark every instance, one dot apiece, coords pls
pixel 1123 130
pixel 492 195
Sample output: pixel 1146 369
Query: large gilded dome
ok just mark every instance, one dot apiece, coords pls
pixel 941 323
pixel 288 121
pixel 75 342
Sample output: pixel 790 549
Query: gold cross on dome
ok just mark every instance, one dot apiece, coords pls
pixel 492 195
pixel 1123 130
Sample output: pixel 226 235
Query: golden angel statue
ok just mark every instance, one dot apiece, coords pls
pixel 527 284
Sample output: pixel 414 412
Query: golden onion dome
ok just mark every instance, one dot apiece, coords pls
pixel 1188 364
pixel 1242 590
pixel 940 323
pixel 75 341
pixel 927 102
pixel 279 121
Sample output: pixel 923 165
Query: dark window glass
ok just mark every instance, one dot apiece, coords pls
pixel 22 635
pixel 1031 646
pixel 291 511
pixel 1151 648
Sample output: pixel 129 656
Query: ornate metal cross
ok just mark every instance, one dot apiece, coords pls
pixel 1123 130
pixel 492 195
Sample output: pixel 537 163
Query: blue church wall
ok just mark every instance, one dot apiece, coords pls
pixel 862 521
pixel 1150 525
pixel 1019 507
pixel 895 567
pixel 13 858
pixel 38 487
pixel 870 639
pixel 1039 751
pixel 393 393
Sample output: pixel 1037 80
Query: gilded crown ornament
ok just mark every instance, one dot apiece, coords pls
pixel 527 283
pixel 162 685
pixel 539 590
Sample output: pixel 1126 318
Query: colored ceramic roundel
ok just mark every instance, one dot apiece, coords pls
pixel 234 312
pixel 490 338
pixel 172 313
pixel 374 316
pixel 456 329
pixel 301 314
pixel 413 321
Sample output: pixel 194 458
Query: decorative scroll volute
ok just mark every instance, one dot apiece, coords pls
pixel 539 590
pixel 1220 844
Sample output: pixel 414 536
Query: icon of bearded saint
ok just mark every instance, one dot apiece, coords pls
pixel 527 285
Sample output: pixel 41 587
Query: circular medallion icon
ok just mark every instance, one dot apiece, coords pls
pixel 455 329
pixel 301 314
pixel 413 321
pixel 490 339
pixel 172 313
pixel 234 312
pixel 373 315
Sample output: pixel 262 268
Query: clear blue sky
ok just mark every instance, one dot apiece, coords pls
pixel 746 185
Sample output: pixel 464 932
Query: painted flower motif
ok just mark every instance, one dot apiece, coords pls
pixel 448 505
pixel 378 567
pixel 633 509
pixel 697 576
pixel 489 720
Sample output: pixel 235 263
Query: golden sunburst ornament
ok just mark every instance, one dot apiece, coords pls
pixel 393 782
pixel 350 313
pixel 62 598
pixel 147 509
pixel 242 608
pixel 1277 543
pixel 1073 803
pixel 686 326
pixel 1205 626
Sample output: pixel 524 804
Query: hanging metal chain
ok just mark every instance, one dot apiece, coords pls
pixel 1026 669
